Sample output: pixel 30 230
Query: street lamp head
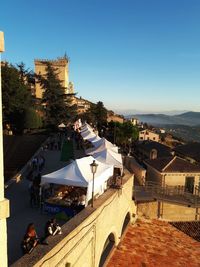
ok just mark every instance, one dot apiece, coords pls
pixel 93 167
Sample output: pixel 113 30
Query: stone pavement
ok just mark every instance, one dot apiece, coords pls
pixel 155 244
pixel 21 214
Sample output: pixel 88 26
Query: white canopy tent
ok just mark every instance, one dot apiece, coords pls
pixel 110 157
pixel 78 173
pixel 94 138
pixel 86 127
pixel 101 145
pixel 62 125
pixel 88 135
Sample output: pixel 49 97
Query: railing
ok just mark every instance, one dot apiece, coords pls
pixel 176 194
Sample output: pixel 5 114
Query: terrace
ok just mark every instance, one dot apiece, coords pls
pixel 22 214
pixel 175 194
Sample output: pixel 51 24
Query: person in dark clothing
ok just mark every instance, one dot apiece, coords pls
pixel 41 162
pixel 37 179
pixel 34 191
pixel 32 196
pixel 30 240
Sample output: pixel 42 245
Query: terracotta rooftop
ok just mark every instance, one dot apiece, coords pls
pixel 162 150
pixel 189 150
pixel 173 164
pixel 155 244
pixel 191 228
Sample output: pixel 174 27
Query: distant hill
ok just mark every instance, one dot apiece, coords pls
pixel 188 118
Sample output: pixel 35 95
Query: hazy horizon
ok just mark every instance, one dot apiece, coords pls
pixel 145 112
pixel 141 54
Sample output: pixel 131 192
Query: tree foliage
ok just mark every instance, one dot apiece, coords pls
pixel 100 114
pixel 123 133
pixel 55 102
pixel 96 115
pixel 16 98
pixel 32 119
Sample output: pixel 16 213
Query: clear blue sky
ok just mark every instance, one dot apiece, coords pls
pixel 142 55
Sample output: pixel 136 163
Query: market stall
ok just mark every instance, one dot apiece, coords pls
pixel 88 134
pixel 86 127
pixel 76 181
pixel 94 138
pixel 62 125
pixel 110 157
pixel 101 145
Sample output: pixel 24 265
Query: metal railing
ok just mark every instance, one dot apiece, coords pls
pixel 176 194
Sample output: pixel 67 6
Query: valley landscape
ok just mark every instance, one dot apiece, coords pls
pixel 185 126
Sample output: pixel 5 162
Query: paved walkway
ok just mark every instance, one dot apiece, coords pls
pixel 21 214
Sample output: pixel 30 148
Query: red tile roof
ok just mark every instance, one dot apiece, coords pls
pixel 173 164
pixel 147 146
pixel 155 244
pixel 189 150
pixel 191 228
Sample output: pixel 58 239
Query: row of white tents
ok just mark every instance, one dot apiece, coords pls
pixel 102 150
pixel 78 172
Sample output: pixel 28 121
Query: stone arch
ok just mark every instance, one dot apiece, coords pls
pixel 108 245
pixel 126 221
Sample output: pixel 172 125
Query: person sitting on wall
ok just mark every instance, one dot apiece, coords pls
pixel 52 228
pixel 81 202
pixel 30 240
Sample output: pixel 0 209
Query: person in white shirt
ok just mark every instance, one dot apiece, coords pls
pixel 52 228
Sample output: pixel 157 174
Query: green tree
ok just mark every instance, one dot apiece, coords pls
pixel 125 133
pixel 70 109
pixel 16 98
pixel 54 99
pixel 100 113
pixel 32 119
pixel 89 115
pixel 96 115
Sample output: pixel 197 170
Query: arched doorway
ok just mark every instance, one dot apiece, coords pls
pixel 126 222
pixel 108 246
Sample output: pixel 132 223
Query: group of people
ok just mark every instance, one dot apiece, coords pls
pixel 34 176
pixel 31 239
pixel 38 163
pixel 55 142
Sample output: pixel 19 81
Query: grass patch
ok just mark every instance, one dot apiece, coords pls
pixel 67 152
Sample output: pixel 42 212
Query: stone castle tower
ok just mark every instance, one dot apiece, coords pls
pixel 61 66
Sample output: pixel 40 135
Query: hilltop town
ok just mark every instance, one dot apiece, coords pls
pixel 94 188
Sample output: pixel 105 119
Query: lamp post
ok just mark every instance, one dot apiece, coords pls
pixel 93 167
pixel 114 137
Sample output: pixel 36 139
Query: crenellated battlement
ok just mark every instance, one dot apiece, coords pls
pixel 59 61
pixel 60 65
